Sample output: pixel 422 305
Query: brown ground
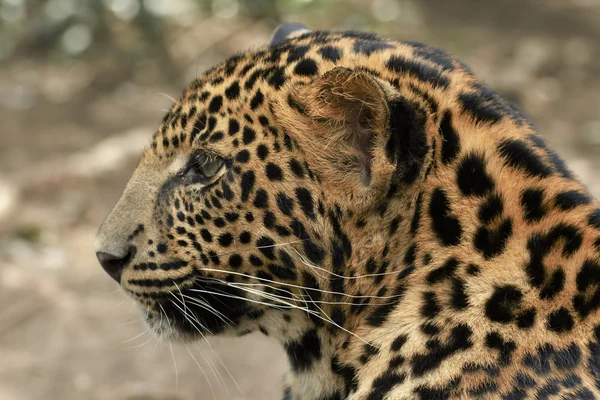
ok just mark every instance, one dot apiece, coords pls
pixel 71 134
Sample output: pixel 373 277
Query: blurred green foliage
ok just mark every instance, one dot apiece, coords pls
pixel 64 29
pixel 29 233
pixel 99 44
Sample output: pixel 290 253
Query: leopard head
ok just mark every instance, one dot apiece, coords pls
pixel 265 192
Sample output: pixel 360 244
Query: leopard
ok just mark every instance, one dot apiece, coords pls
pixel 402 230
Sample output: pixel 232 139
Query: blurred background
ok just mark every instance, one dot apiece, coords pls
pixel 84 84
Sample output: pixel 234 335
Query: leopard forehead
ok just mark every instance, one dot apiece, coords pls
pixel 398 226
pixel 243 90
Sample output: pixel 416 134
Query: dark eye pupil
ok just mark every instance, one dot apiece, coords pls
pixel 209 169
pixel 201 169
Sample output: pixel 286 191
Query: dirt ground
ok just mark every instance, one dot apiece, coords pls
pixel 71 135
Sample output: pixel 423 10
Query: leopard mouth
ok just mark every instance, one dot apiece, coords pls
pixel 192 312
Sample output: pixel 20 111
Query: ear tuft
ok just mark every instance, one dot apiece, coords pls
pixel 287 31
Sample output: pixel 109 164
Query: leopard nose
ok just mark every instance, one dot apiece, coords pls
pixel 114 264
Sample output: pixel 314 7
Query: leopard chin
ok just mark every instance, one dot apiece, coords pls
pixel 196 311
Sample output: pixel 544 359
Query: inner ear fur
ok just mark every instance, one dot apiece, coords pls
pixel 342 122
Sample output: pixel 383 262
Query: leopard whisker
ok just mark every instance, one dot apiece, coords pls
pixel 203 305
pixel 287 306
pixel 139 346
pixel 185 315
pixel 135 337
pixel 131 321
pixel 328 319
pixel 235 284
pixel 312 266
pixel 294 285
pixel 256 284
pixel 166 317
pixel 215 372
pixel 183 301
pixel 175 365
pixel 241 298
pixel 167 96
pixel 202 370
pixel 227 370
pixel 211 309
pixel 256 248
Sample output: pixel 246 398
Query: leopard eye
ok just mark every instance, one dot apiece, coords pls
pixel 203 168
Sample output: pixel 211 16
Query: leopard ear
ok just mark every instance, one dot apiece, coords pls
pixel 342 120
pixel 287 31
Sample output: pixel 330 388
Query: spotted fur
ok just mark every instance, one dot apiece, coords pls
pixel 401 229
